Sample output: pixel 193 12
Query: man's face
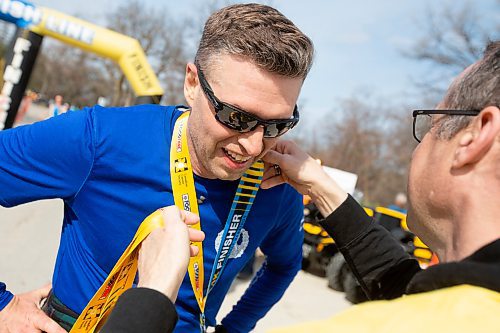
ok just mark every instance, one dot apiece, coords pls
pixel 430 183
pixel 432 188
pixel 218 151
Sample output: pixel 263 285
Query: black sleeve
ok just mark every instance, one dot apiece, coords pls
pixel 142 310
pixel 378 261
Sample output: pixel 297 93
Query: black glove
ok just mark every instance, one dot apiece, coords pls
pixel 220 329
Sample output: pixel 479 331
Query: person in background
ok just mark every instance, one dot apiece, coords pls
pixel 25 105
pixel 399 204
pixel 58 107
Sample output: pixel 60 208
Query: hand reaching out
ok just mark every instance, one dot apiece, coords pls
pixel 164 254
pixel 304 173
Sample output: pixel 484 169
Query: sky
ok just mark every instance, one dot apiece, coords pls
pixel 358 43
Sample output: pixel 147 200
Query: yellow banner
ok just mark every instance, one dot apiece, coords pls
pixel 124 50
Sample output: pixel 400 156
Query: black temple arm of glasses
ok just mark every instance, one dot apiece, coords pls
pixel 447 112
pixel 206 87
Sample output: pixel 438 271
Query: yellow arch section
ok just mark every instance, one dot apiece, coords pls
pixel 124 50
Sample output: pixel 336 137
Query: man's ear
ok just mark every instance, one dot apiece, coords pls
pixel 477 140
pixel 190 83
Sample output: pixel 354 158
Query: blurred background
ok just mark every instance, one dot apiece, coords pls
pixel 375 62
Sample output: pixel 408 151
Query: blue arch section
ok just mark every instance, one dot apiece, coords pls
pixel 21 13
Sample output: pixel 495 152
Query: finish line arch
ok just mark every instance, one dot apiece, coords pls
pixel 40 21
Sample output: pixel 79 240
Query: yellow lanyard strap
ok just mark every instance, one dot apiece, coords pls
pixel 181 174
pixel 184 192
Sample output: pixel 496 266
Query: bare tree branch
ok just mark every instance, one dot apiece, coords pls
pixel 453 37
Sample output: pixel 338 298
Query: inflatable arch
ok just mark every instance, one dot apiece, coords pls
pixel 34 22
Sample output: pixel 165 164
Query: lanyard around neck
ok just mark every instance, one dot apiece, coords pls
pixel 183 188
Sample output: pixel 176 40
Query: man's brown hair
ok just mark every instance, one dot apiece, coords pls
pixel 260 34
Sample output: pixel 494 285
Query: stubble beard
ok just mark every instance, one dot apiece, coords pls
pixel 200 156
pixel 207 167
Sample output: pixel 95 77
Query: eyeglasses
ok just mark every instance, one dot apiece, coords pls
pixel 422 120
pixel 242 121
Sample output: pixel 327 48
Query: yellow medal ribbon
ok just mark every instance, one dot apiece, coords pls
pixel 120 279
pixel 184 193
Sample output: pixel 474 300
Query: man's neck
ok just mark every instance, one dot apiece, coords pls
pixel 476 223
pixel 197 167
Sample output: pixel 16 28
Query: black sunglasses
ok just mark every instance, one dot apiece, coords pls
pixel 242 121
pixel 422 120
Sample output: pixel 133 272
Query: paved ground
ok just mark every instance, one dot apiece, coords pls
pixel 29 237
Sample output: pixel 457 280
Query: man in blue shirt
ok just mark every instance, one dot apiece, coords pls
pixel 111 166
pixel 399 204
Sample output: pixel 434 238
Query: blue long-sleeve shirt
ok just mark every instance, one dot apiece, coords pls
pixel 5 296
pixel 111 168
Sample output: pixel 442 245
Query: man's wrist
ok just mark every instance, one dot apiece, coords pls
pixel 327 196
pixel 167 285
